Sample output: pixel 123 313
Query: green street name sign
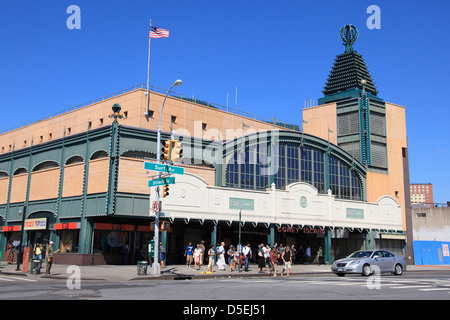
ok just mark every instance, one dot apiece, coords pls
pixel 355 213
pixel 245 204
pixel 161 182
pixel 163 168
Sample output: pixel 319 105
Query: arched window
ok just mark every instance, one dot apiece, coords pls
pixel 45 165
pixel 99 154
pixel 20 171
pixel 74 159
pixel 292 163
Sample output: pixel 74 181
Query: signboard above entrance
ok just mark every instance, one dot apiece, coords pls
pixel 35 224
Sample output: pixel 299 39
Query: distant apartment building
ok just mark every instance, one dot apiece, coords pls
pixel 421 193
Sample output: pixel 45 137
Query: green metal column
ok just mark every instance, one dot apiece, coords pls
pixel 271 236
pixel 326 164
pixel 56 235
pixel 370 240
pixel 8 198
pixel 219 165
pixel 327 246
pixel 86 230
pixel 164 244
pixel 214 238
pixel 113 166
pixel 86 227
pixel 271 155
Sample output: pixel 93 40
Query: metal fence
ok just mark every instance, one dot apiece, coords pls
pixel 162 91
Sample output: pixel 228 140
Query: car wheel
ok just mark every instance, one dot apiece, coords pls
pixel 366 270
pixel 398 270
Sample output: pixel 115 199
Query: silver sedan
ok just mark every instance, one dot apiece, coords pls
pixel 368 262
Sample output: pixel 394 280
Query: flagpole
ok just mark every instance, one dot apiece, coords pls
pixel 148 71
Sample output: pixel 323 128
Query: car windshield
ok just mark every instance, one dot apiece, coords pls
pixel 360 254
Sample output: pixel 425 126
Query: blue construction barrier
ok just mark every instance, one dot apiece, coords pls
pixel 431 252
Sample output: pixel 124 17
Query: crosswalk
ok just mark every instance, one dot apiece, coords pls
pixel 12 279
pixel 394 283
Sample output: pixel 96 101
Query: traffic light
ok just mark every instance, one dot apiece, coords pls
pixel 164 226
pixel 177 151
pixel 165 191
pixel 165 150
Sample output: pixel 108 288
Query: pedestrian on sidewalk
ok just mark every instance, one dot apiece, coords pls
pixel 202 253
pixel 261 259
pixel 280 250
pixel 162 254
pixel 267 255
pixel 247 252
pixel 188 253
pixel 231 261
pixel 287 259
pixel 221 254
pixel 126 253
pixel 211 255
pixel 50 255
pixel 320 256
pixel 10 252
pixel 273 261
pixel 197 253
pixel 308 255
pixel 294 253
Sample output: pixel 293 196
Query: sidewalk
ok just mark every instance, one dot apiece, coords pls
pixel 117 273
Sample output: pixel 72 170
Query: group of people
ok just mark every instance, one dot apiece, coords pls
pixel 38 250
pixel 265 257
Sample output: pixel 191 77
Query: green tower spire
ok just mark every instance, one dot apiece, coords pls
pixel 349 68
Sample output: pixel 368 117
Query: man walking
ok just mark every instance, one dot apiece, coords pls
pixel 221 253
pixel 247 252
pixel 287 259
pixel 50 254
pixel 188 254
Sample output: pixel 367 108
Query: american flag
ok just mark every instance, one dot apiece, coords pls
pixel 158 33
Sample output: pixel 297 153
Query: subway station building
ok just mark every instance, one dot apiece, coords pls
pixel 342 182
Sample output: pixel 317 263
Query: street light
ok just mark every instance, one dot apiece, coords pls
pixel 155 267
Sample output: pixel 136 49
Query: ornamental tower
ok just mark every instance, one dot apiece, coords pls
pixel 360 113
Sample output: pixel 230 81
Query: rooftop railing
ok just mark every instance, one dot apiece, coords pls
pixel 162 91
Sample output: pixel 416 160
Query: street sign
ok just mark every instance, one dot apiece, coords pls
pixel 161 182
pixel 151 248
pixel 155 206
pixel 163 168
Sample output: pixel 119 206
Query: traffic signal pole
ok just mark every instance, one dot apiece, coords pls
pixel 156 267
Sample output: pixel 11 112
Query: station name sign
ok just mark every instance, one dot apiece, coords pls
pixel 301 230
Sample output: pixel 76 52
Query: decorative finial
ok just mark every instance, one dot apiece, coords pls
pixel 348 34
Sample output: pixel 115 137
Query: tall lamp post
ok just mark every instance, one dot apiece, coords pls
pixel 155 268
pixel 240 244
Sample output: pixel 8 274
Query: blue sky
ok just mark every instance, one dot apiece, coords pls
pixel 277 53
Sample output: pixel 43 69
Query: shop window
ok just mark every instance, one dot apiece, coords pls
pixel 110 242
pixel 69 241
